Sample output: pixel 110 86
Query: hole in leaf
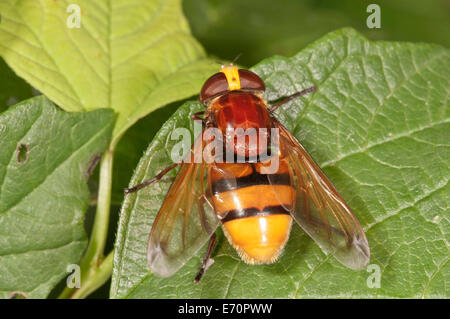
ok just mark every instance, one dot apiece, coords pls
pixel 18 295
pixel 22 153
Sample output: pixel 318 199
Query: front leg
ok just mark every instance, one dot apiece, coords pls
pixel 152 180
pixel 293 96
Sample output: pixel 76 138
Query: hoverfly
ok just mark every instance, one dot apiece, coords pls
pixel 255 207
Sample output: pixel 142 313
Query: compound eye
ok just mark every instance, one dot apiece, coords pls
pixel 251 81
pixel 215 85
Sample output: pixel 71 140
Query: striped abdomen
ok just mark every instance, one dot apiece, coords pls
pixel 254 210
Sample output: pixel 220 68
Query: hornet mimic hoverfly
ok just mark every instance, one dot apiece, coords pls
pixel 254 205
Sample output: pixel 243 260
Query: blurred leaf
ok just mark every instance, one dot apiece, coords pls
pixel 44 162
pixel 379 127
pixel 262 28
pixel 12 88
pixel 133 57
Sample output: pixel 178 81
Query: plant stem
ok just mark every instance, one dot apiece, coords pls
pixel 90 284
pixel 101 275
pixel 92 268
pixel 97 242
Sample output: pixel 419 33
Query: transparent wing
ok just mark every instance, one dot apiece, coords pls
pixel 185 221
pixel 319 209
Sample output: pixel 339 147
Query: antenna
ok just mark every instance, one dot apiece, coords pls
pixel 236 58
pixel 222 63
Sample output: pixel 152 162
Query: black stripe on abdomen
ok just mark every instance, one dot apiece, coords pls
pixel 228 184
pixel 250 212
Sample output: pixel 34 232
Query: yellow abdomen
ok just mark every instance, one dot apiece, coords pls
pixel 259 239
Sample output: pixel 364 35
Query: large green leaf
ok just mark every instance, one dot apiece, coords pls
pixel 131 56
pixel 45 160
pixel 379 126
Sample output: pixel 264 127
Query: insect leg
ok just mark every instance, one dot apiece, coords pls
pixel 206 261
pixel 293 96
pixel 150 181
pixel 212 241
pixel 196 116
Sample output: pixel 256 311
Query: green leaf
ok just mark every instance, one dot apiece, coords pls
pixel 378 126
pixel 133 57
pixel 45 160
